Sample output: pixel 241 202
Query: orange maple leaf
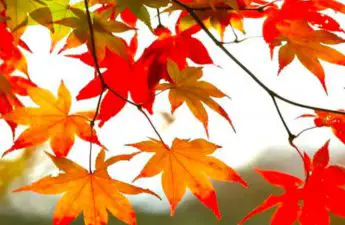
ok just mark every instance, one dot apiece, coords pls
pixel 220 14
pixel 304 32
pixel 187 88
pixel 51 121
pixel 103 32
pixel 187 164
pixel 91 193
pixel 309 46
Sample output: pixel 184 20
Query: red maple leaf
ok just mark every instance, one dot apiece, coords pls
pixel 303 32
pixel 126 15
pixel 11 59
pixel 118 76
pixel 335 121
pixel 293 10
pixel 309 201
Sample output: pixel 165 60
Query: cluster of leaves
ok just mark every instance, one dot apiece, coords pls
pixel 299 28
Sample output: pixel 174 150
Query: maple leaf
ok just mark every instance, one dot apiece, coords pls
pixel 58 10
pixel 321 193
pixel 51 121
pixel 91 193
pixel 10 87
pixel 219 14
pixel 103 33
pixel 187 88
pixel 151 67
pixel 290 27
pixel 329 4
pixel 309 47
pixel 17 13
pixel 10 54
pixel 295 11
pixel 138 8
pixel 12 60
pixel 116 76
pixel 334 121
pixel 112 11
pixel 126 15
pixel 187 164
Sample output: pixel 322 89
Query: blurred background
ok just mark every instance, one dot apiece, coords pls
pixel 260 141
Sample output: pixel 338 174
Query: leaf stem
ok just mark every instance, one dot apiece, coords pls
pixel 154 128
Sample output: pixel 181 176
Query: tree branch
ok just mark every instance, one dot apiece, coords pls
pixel 244 68
pixel 159 18
pixel 274 95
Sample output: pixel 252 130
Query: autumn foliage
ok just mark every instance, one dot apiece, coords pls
pixel 301 30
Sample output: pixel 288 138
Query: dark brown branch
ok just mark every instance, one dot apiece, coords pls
pixel 227 8
pixel 272 93
pixel 291 135
pixel 237 40
pixel 159 18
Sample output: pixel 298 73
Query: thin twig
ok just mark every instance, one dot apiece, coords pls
pixel 305 130
pixel 292 137
pixel 94 54
pixel 159 18
pixel 154 128
pixel 237 40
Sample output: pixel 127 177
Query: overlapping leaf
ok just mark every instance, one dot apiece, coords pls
pixel 309 202
pixel 103 33
pixel 58 10
pixel 290 27
pixel 151 67
pixel 221 14
pixel 12 60
pixel 93 194
pixel 187 164
pixel 51 121
pixel 117 77
pixel 112 12
pixel 332 120
pixel 187 88
pixel 139 8
pixel 335 5
pixel 17 14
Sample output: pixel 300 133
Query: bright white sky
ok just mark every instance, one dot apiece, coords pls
pixel 251 109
